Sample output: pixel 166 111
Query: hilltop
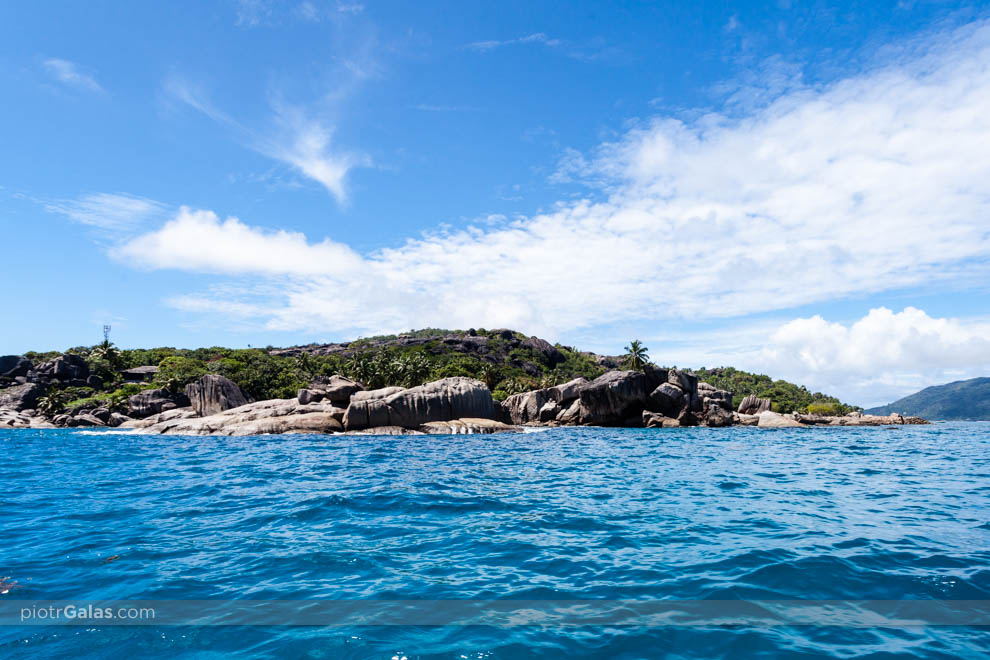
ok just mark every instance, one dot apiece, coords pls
pixel 967 400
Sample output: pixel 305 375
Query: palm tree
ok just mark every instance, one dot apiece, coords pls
pixel 490 375
pixel 636 355
pixel 52 403
pixel 109 353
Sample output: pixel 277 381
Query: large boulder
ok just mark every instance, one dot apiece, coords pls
pixel 151 402
pixel 66 368
pixel 21 397
pixel 12 366
pixel 524 408
pixel 682 379
pixel 309 396
pixel 753 405
pixel 213 394
pixel 717 416
pixel 613 397
pixel 568 391
pixel 712 396
pixel 439 401
pixel 667 399
pixel 772 420
pixel 548 350
pixel 652 420
pixel 340 389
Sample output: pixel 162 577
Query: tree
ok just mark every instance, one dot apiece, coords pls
pixel 490 375
pixel 176 372
pixel 52 403
pixel 636 355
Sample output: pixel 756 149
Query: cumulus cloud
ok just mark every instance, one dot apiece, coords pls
pixel 882 356
pixel 878 181
pixel 68 73
pixel 200 241
pixel 114 213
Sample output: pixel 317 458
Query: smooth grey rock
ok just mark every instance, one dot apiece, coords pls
pixel 87 420
pixel 652 420
pixel 667 399
pixel 213 394
pixel 548 350
pixel 467 426
pixel 12 366
pixel 65 368
pixel 94 381
pixel 21 397
pixel 570 416
pixel 382 393
pixel 309 396
pixel 524 408
pixel 549 412
pixel 442 400
pixel 152 402
pixel 772 420
pixel 716 416
pixel 340 389
pixel 569 390
pixel 753 405
pixel 613 397
pixel 116 419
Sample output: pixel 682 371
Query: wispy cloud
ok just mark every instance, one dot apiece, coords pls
pixel 68 73
pixel 876 182
pixel 114 213
pixel 535 38
pixel 297 140
pixel 429 107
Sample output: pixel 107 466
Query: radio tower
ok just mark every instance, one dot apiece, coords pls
pixel 106 335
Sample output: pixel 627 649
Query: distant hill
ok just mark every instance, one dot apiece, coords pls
pixel 961 400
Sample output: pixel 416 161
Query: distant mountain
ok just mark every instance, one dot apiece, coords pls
pixel 961 400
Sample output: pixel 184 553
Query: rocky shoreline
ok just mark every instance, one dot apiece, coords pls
pixel 214 405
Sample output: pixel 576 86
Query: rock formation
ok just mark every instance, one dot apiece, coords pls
pixel 752 405
pixel 213 394
pixel 151 402
pixel 439 401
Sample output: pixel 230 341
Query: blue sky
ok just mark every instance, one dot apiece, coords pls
pixel 797 188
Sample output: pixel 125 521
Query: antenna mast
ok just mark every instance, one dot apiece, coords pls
pixel 106 334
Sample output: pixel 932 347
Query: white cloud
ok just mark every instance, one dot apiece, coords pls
pixel 305 144
pixel 68 73
pixel 297 140
pixel 535 38
pixel 199 240
pixel 879 181
pixel 882 356
pixel 114 213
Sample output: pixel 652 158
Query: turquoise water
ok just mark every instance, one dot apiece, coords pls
pixel 739 513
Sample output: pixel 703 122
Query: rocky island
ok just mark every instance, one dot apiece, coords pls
pixel 176 396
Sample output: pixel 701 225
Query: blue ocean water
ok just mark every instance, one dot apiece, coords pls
pixel 845 513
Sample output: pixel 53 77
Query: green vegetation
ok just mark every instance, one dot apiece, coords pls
pixel 76 398
pixel 786 397
pixel 507 362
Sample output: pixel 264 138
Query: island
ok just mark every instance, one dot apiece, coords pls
pixel 428 381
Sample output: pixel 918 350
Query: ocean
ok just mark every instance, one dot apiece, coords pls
pixel 450 526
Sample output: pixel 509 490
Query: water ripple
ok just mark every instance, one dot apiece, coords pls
pixel 841 513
